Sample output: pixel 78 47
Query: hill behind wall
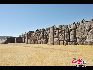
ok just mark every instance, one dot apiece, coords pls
pixel 7 39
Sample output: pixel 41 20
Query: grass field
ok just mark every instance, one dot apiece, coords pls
pixel 44 55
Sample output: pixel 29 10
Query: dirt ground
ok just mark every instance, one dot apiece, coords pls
pixel 44 55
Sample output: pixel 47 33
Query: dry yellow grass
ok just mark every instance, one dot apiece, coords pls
pixel 43 55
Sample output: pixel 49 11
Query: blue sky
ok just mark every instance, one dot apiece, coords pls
pixel 16 19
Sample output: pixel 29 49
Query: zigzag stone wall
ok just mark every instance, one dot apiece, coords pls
pixel 80 33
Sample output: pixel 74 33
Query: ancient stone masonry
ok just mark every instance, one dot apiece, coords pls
pixel 18 40
pixel 51 36
pixel 79 33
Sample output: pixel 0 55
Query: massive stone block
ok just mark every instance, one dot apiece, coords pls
pixel 67 37
pixel 67 34
pixel 23 38
pixel 39 41
pixel 56 41
pixel 17 40
pixel 90 34
pixel 51 35
pixel 61 42
pixel 56 32
pixel 32 41
pixel 29 41
pixel 73 36
pixel 26 39
pixel 61 34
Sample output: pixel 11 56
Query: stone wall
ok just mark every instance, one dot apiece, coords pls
pixel 79 33
pixel 18 40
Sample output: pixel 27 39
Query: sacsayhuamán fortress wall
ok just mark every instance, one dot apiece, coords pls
pixel 80 33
